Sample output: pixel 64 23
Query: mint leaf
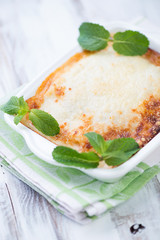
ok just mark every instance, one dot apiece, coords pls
pixel 122 144
pixel 117 157
pixel 44 122
pixel 23 109
pixel 119 150
pixel 130 43
pixel 15 106
pixel 23 106
pixel 93 37
pixel 97 142
pixel 70 157
pixel 18 118
pixel 12 106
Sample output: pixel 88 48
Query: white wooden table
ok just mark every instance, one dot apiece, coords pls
pixel 33 34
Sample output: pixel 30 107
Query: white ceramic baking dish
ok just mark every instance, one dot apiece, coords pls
pixel 43 148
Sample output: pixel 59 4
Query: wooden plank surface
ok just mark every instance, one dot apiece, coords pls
pixel 32 35
pixel 8 220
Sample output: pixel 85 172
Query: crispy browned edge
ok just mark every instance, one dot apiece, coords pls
pixel 148 127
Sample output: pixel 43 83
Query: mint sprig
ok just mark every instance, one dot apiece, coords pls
pixel 113 152
pixel 43 121
pixel 15 105
pixel 94 37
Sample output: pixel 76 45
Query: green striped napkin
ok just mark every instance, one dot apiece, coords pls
pixel 70 191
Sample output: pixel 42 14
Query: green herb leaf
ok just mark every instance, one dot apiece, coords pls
pixel 16 106
pixel 71 157
pixel 44 122
pixel 130 43
pixel 113 152
pixel 23 106
pixel 12 106
pixel 97 142
pixel 93 37
pixel 18 118
pixel 119 150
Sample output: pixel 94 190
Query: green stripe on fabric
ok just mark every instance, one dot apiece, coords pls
pixel 39 161
pixel 110 189
pixel 143 165
pixel 63 189
pixel 29 154
pixel 44 174
pixel 107 204
pixel 92 217
pixel 137 184
pixel 85 184
pixel 4 162
pixel 105 190
pixel 69 191
pixel 8 145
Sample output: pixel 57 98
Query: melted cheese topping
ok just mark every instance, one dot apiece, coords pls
pixel 101 92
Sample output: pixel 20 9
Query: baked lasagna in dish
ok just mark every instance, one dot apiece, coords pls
pixel 103 92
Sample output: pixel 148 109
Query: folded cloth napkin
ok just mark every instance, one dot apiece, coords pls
pixel 70 191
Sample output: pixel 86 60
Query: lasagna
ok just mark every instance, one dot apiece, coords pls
pixel 103 92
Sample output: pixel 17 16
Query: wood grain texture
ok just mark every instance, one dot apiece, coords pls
pixel 33 34
pixel 8 220
pixel 35 217
pixel 143 208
